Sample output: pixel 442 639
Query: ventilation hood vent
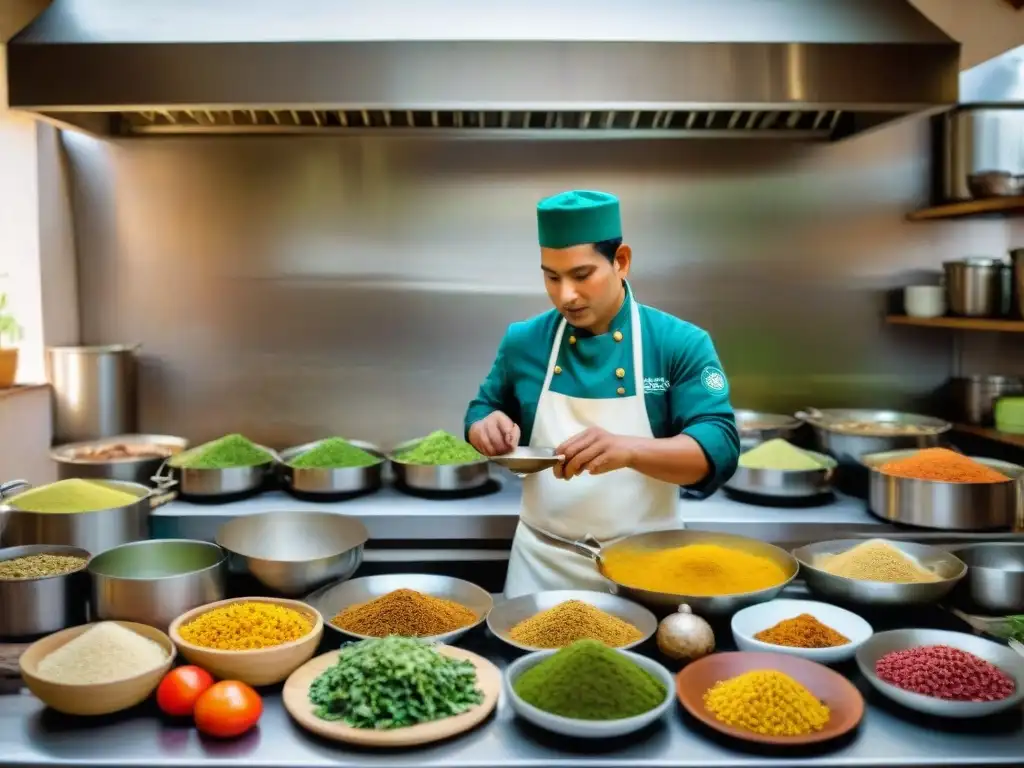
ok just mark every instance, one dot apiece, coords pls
pixel 804 69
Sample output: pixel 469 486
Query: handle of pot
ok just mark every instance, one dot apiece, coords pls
pixel 588 546
pixel 158 499
pixel 811 416
pixel 163 478
pixel 12 485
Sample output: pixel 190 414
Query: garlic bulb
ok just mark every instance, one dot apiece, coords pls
pixel 682 635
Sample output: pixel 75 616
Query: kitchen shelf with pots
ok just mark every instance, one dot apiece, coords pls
pixel 991 324
pixel 1005 206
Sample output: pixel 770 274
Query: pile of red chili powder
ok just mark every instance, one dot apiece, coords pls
pixel 945 673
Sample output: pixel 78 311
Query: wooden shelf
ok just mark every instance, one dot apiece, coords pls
pixel 960 323
pixel 991 434
pixel 1007 206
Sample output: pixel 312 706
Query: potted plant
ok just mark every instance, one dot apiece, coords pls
pixel 10 334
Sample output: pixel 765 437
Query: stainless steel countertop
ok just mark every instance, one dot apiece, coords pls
pixel 390 514
pixel 888 736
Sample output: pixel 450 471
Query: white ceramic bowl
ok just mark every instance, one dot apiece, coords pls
pixel 924 300
pixel 756 618
pixel 587 729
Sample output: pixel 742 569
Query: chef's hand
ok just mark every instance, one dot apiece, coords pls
pixel 494 435
pixel 593 450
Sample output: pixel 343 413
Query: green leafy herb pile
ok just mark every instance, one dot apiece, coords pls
pixel 334 453
pixel 440 448
pixel 224 453
pixel 394 682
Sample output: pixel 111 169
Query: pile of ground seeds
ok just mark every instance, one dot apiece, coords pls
pixel 104 653
pixel 39 566
pixel 781 455
pixel 404 612
pixel 876 560
pixel 72 496
pixel 334 453
pixel 590 681
pixel 571 621
pixel 246 626
pixel 767 702
pixel 227 452
pixel 440 449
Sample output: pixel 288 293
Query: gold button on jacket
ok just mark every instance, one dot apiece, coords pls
pixel 617 335
pixel 620 372
pixel 558 369
pixel 621 390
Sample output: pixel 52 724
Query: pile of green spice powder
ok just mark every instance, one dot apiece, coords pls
pixel 393 682
pixel 440 448
pixel 224 453
pixel 334 453
pixel 590 681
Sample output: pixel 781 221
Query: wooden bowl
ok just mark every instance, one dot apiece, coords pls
pixel 93 698
pixel 259 666
pixel 845 703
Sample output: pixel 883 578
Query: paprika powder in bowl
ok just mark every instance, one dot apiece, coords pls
pixel 957 666
pixel 940 489
pixel 807 629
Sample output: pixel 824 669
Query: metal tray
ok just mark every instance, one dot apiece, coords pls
pixel 136 470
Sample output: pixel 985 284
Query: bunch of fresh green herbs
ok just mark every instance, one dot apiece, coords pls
pixel 394 682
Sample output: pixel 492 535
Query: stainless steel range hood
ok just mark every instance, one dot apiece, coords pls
pixel 822 69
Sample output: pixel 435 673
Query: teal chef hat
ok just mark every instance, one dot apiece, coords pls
pixel 578 217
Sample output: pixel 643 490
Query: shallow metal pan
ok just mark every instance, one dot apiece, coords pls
pixel 450 478
pixel 780 483
pixel 333 483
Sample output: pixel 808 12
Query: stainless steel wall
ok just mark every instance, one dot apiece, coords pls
pixel 294 287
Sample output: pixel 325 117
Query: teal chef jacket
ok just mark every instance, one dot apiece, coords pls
pixel 685 390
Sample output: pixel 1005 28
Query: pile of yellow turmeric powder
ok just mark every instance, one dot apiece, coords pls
pixel 246 626
pixel 700 570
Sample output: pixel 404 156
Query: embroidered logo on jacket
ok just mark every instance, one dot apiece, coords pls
pixel 713 380
pixel 655 385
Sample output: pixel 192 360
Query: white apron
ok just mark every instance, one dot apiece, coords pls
pixel 604 506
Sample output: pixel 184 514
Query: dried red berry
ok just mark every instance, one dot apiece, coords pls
pixel 945 673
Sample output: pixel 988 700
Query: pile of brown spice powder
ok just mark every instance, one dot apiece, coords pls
pixel 404 612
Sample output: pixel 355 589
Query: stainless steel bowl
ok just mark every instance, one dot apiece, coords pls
pixel 508 613
pixel 945 506
pixel 848 447
pixel 702 605
pixel 343 481
pixel 758 427
pixel 973 398
pixel 92 531
pixel 334 598
pixel 784 483
pixel 1008 660
pixel 526 461
pixel 444 478
pixel 208 484
pixel 31 607
pixel 986 184
pixel 995 577
pixel 140 470
pixel 154 582
pixel 826 584
pixel 294 552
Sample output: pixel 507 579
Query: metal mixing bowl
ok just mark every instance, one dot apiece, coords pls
pixel 342 481
pixel 757 426
pixel 508 613
pixel 442 477
pixel 31 607
pixel 333 599
pixel 293 552
pixel 826 584
pixel 995 576
pixel 208 484
pixel 154 582
pixel 785 483
pixel 1008 660
pixel 849 446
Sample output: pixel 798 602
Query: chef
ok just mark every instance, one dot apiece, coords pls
pixel 633 398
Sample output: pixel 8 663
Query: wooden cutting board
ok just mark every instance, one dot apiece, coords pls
pixel 295 697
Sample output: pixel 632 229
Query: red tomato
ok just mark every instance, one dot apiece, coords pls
pixel 178 691
pixel 228 708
